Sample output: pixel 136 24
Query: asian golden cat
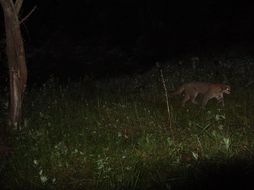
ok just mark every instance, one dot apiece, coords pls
pixel 208 90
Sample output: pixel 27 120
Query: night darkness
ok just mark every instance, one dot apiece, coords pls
pixel 99 112
pixel 62 38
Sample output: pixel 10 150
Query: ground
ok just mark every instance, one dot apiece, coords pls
pixel 116 133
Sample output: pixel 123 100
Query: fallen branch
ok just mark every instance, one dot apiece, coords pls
pixel 166 98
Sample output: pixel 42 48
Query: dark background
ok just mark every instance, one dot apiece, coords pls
pixel 115 37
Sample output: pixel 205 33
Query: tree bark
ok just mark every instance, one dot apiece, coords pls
pixel 16 60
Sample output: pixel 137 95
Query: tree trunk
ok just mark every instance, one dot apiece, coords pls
pixel 16 61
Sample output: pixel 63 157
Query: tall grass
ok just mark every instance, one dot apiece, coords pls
pixel 113 134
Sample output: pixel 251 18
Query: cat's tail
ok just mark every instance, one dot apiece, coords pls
pixel 178 91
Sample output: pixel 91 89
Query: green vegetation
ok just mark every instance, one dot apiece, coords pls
pixel 115 133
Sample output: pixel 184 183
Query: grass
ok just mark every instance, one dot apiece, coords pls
pixel 114 134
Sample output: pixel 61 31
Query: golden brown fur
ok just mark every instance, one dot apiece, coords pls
pixel 208 90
